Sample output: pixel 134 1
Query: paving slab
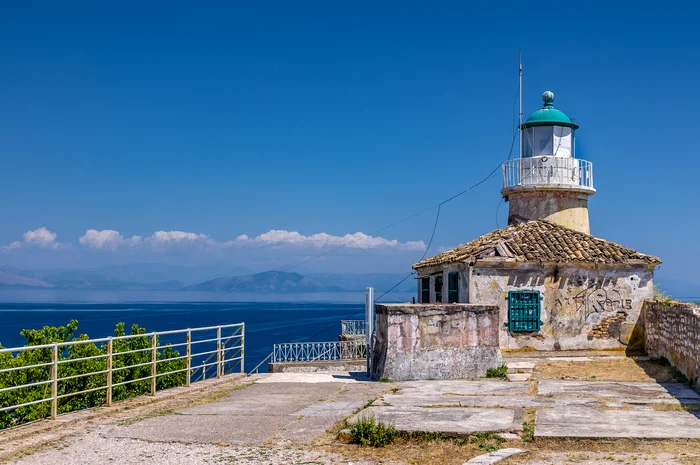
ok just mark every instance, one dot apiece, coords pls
pixel 585 422
pixel 411 400
pixel 287 412
pixel 465 387
pixel 446 420
pixel 634 391
pixel 494 457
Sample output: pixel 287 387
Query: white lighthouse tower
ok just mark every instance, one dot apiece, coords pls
pixel 548 181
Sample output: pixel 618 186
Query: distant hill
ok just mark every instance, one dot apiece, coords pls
pixel 15 281
pixel 268 281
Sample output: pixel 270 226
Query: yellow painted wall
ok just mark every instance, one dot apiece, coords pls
pixel 568 209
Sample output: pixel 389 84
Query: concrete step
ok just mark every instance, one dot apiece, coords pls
pixel 521 367
pixel 519 376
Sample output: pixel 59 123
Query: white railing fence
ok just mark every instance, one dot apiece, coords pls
pixel 46 380
pixel 319 351
pixel 350 327
pixel 547 170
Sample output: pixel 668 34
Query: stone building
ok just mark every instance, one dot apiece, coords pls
pixel 556 286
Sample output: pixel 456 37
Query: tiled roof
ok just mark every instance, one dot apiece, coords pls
pixel 539 241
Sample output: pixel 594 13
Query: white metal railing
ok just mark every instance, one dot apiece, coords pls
pixel 110 365
pixel 319 351
pixel 351 327
pixel 547 170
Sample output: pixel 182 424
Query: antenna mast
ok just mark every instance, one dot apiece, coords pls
pixel 520 94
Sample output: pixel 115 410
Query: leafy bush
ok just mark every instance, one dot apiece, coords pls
pixel 43 356
pixel 369 432
pixel 499 372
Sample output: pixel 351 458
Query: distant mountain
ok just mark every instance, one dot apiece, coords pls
pixel 269 281
pixel 15 281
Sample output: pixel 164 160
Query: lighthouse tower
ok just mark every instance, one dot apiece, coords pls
pixel 548 182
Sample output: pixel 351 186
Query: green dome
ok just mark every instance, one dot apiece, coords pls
pixel 548 116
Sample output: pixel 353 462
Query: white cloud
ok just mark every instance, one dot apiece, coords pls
pixel 174 237
pixel 111 239
pixel 12 246
pixel 357 240
pixel 41 237
pixel 107 238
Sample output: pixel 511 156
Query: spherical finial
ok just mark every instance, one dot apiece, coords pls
pixel 548 98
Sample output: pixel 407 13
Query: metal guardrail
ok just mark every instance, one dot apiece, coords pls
pixel 350 327
pixel 59 359
pixel 319 351
pixel 547 170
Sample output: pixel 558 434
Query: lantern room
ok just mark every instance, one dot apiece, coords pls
pixel 548 132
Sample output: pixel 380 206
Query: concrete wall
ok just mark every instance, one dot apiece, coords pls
pixel 435 341
pixel 582 308
pixel 316 367
pixel 673 332
pixel 565 208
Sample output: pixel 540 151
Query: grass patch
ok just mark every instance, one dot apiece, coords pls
pixel 528 434
pixel 499 372
pixel 488 442
pixel 384 380
pixel 370 432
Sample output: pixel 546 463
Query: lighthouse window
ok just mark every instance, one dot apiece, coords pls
pixel 562 141
pixel 452 288
pixel 543 140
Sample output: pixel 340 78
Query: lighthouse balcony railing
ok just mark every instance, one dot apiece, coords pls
pixel 548 170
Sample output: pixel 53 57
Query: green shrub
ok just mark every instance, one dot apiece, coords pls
pixel 369 432
pixel 499 372
pixel 53 334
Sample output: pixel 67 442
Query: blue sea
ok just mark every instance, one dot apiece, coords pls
pixel 269 319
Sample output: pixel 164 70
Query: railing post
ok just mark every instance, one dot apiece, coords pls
pixel 54 383
pixel 154 358
pixel 369 322
pixel 243 348
pixel 204 370
pixel 109 372
pixel 188 353
pixel 219 359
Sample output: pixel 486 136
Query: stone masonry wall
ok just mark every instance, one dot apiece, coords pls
pixel 673 332
pixel 435 341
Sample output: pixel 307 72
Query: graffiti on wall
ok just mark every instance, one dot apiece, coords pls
pixel 573 306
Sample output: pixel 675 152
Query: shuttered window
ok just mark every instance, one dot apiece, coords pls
pixel 452 288
pixel 425 290
pixel 524 310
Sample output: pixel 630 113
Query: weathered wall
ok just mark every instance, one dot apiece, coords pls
pixel 673 332
pixel 435 341
pixel 582 308
pixel 568 209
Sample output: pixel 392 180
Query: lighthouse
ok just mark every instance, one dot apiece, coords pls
pixel 548 182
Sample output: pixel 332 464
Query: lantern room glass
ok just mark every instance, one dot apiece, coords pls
pixel 548 141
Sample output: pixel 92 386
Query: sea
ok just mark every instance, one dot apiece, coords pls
pixel 269 318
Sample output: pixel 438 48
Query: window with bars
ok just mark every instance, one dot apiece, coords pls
pixel 425 290
pixel 524 310
pixel 452 287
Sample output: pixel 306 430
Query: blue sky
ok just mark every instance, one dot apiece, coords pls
pixel 238 118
